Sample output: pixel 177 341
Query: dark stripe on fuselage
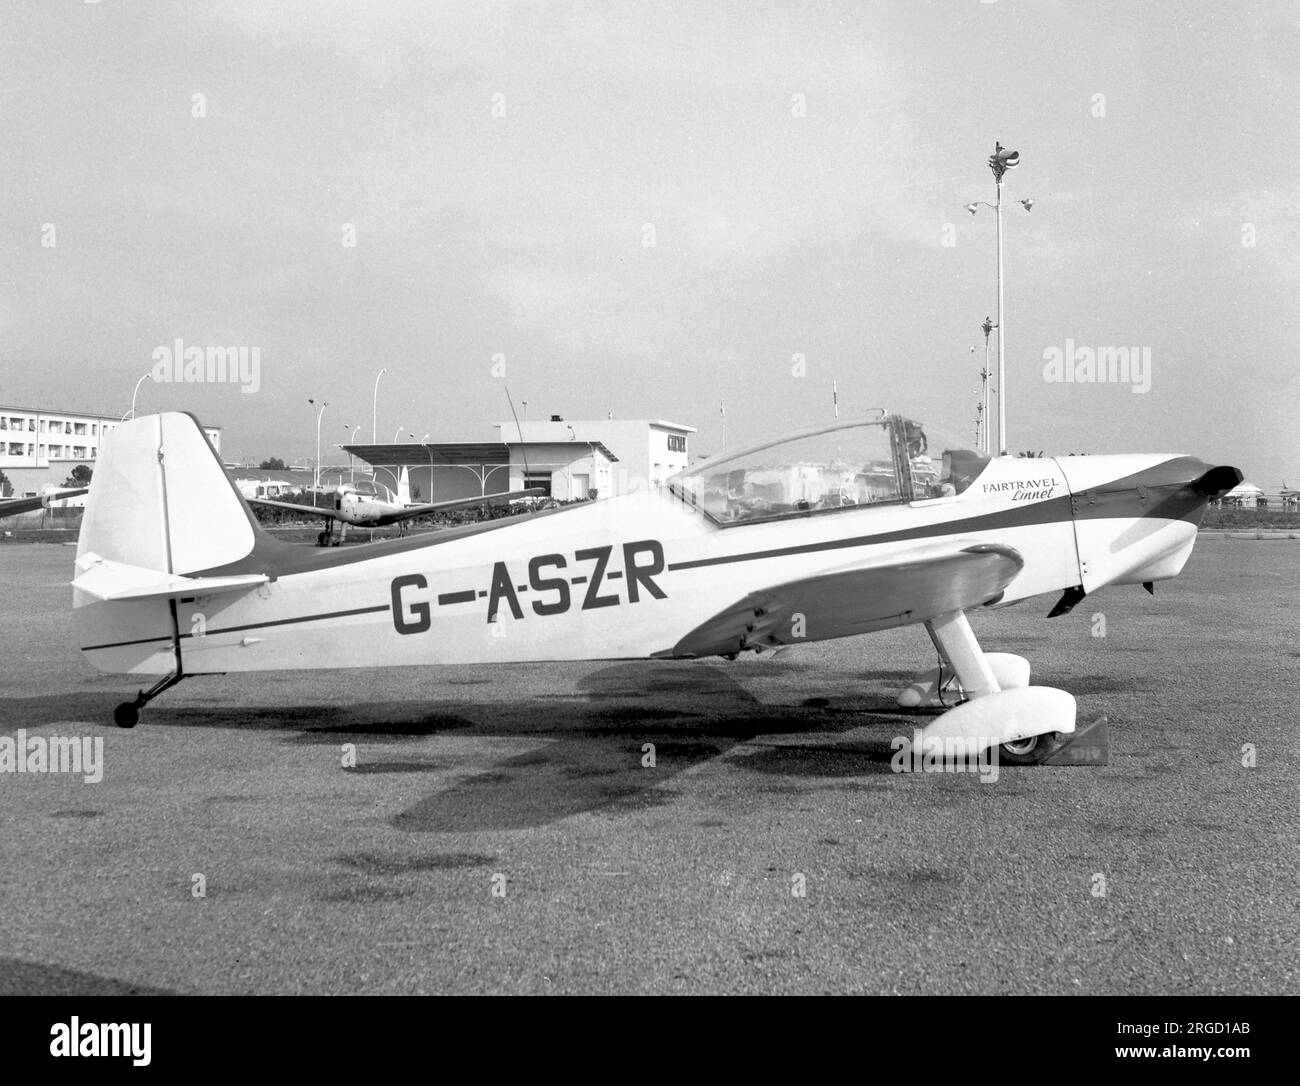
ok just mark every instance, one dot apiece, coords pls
pixel 247 626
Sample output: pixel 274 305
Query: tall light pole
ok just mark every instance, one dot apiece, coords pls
pixel 352 460
pixel 985 374
pixel 398 431
pixel 430 453
pixel 147 376
pixel 319 412
pixel 525 403
pixel 374 408
pixel 999 162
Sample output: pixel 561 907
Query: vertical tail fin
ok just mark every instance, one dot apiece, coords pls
pixel 161 500
pixel 404 488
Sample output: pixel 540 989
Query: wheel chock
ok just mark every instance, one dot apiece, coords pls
pixel 1088 745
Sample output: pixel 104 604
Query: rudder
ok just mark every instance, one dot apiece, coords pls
pixel 161 499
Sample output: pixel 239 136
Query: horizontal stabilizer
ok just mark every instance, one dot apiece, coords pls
pixel 107 580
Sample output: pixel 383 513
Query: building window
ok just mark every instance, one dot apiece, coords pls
pixel 31 424
pixel 540 479
pixel 677 443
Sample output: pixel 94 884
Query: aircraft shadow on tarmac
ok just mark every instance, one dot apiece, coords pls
pixel 19 977
pixel 593 741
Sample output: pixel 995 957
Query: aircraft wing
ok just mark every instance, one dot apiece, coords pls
pixel 11 506
pixel 858 598
pixel 461 503
pixel 305 510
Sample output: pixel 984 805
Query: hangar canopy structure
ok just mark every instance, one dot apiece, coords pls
pixel 448 470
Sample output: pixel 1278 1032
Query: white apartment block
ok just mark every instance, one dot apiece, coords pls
pixel 36 444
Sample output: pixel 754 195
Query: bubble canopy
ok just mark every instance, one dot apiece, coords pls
pixel 885 459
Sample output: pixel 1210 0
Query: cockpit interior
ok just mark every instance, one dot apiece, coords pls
pixel 885 459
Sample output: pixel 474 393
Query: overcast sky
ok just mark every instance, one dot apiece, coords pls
pixel 801 170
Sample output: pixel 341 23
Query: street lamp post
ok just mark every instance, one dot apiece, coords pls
pixel 352 460
pixel 374 408
pixel 999 162
pixel 147 376
pixel 985 374
pixel 399 430
pixel 320 411
pixel 429 451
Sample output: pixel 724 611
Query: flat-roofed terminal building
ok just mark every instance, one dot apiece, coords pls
pixel 567 460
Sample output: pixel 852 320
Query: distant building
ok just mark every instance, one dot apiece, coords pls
pixel 40 447
pixel 258 483
pixel 448 470
pixel 1245 495
pixel 648 450
pixel 566 460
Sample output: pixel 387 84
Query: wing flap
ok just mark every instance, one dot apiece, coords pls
pixel 108 580
pixel 857 599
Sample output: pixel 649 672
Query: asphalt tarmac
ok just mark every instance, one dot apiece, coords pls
pixel 499 832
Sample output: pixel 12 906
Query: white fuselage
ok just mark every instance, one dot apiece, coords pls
pixel 623 577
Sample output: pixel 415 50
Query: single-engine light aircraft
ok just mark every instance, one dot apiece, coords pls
pixel 350 504
pixel 854 528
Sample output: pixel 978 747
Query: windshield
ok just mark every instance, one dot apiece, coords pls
pixel 888 459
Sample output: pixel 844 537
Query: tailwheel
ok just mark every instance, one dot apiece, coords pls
pixel 127 714
pixel 1029 751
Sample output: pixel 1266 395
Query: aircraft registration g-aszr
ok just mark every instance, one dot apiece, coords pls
pixel 850 529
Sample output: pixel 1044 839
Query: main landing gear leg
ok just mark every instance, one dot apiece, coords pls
pixel 1027 723
pixel 939 687
pixel 127 715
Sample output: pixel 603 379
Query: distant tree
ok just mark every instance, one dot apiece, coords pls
pixel 1031 453
pixel 80 477
pixel 274 464
pixel 4 486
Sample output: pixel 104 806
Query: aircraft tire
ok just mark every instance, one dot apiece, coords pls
pixel 1030 751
